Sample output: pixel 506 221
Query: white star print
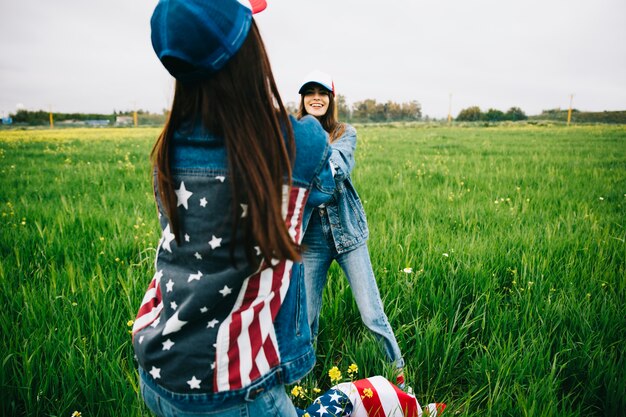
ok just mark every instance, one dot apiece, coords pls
pixel 155 372
pixel 258 250
pixel 167 238
pixel 141 340
pixel 203 202
pixel 244 209
pixel 173 325
pixel 170 285
pixel 167 345
pixel 215 242
pixel 220 178
pixel 194 383
pixel 158 275
pixel 322 410
pixel 225 291
pixel 173 305
pixel 212 323
pixel 335 397
pixel 156 322
pixel 182 195
pixel 197 255
pixel 195 277
pixel 213 366
pixel 186 237
pixel 204 310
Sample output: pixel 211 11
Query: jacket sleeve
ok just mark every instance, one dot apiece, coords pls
pixel 342 157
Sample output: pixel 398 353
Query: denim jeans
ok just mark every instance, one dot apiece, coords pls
pixel 319 253
pixel 273 402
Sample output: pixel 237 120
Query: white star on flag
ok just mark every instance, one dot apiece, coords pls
pixel 212 323
pixel 244 209
pixel 335 397
pixel 215 242
pixel 141 339
pixel 155 372
pixel 213 366
pixel 258 250
pixel 195 277
pixel 173 325
pixel 173 305
pixel 167 345
pixel 186 237
pixel 197 255
pixel 204 310
pixel 194 383
pixel 156 322
pixel 167 238
pixel 182 195
pixel 322 410
pixel 220 178
pixel 225 291
pixel 170 285
pixel 203 202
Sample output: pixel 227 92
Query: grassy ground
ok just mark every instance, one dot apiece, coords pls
pixel 500 255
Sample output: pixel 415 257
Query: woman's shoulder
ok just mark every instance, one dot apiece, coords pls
pixel 349 129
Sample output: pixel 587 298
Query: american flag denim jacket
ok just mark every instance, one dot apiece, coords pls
pixel 206 326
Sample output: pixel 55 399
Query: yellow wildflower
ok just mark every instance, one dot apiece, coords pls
pixel 77 414
pixel 129 323
pixel 353 369
pixel 334 374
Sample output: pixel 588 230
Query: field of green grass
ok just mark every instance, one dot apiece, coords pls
pixel 499 251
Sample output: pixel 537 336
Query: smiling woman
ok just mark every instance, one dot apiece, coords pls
pixel 338 229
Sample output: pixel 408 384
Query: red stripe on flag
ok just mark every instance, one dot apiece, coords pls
pixel 372 404
pixel 407 402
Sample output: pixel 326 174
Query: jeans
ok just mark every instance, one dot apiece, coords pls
pixel 273 402
pixel 319 253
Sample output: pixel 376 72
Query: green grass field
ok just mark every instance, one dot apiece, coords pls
pixel 514 303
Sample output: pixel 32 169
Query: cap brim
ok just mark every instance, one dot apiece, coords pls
pixel 327 87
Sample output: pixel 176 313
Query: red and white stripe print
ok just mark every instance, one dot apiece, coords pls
pixel 246 347
pixel 377 397
pixel 151 305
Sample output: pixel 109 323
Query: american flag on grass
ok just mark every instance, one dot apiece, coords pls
pixel 369 397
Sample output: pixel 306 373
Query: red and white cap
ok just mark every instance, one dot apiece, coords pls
pixel 255 5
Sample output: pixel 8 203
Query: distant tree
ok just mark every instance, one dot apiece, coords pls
pixel 411 110
pixel 343 110
pixel 515 114
pixel 470 114
pixel 292 107
pixel 493 115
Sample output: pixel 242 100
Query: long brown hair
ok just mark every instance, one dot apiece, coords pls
pixel 330 120
pixel 240 103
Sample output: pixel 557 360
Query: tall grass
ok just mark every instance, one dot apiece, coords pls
pixel 514 304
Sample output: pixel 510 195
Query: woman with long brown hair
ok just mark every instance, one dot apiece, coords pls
pixel 222 326
pixel 338 229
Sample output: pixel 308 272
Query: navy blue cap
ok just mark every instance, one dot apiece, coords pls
pixel 195 38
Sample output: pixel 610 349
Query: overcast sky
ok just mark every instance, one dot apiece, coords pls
pixel 96 56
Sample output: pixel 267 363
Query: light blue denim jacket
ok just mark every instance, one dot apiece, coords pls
pixel 188 335
pixel 345 211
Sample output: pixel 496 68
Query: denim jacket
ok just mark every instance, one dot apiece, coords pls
pixel 210 323
pixel 346 215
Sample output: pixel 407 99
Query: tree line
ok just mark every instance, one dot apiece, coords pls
pixel 42 117
pixel 474 114
pixel 370 110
